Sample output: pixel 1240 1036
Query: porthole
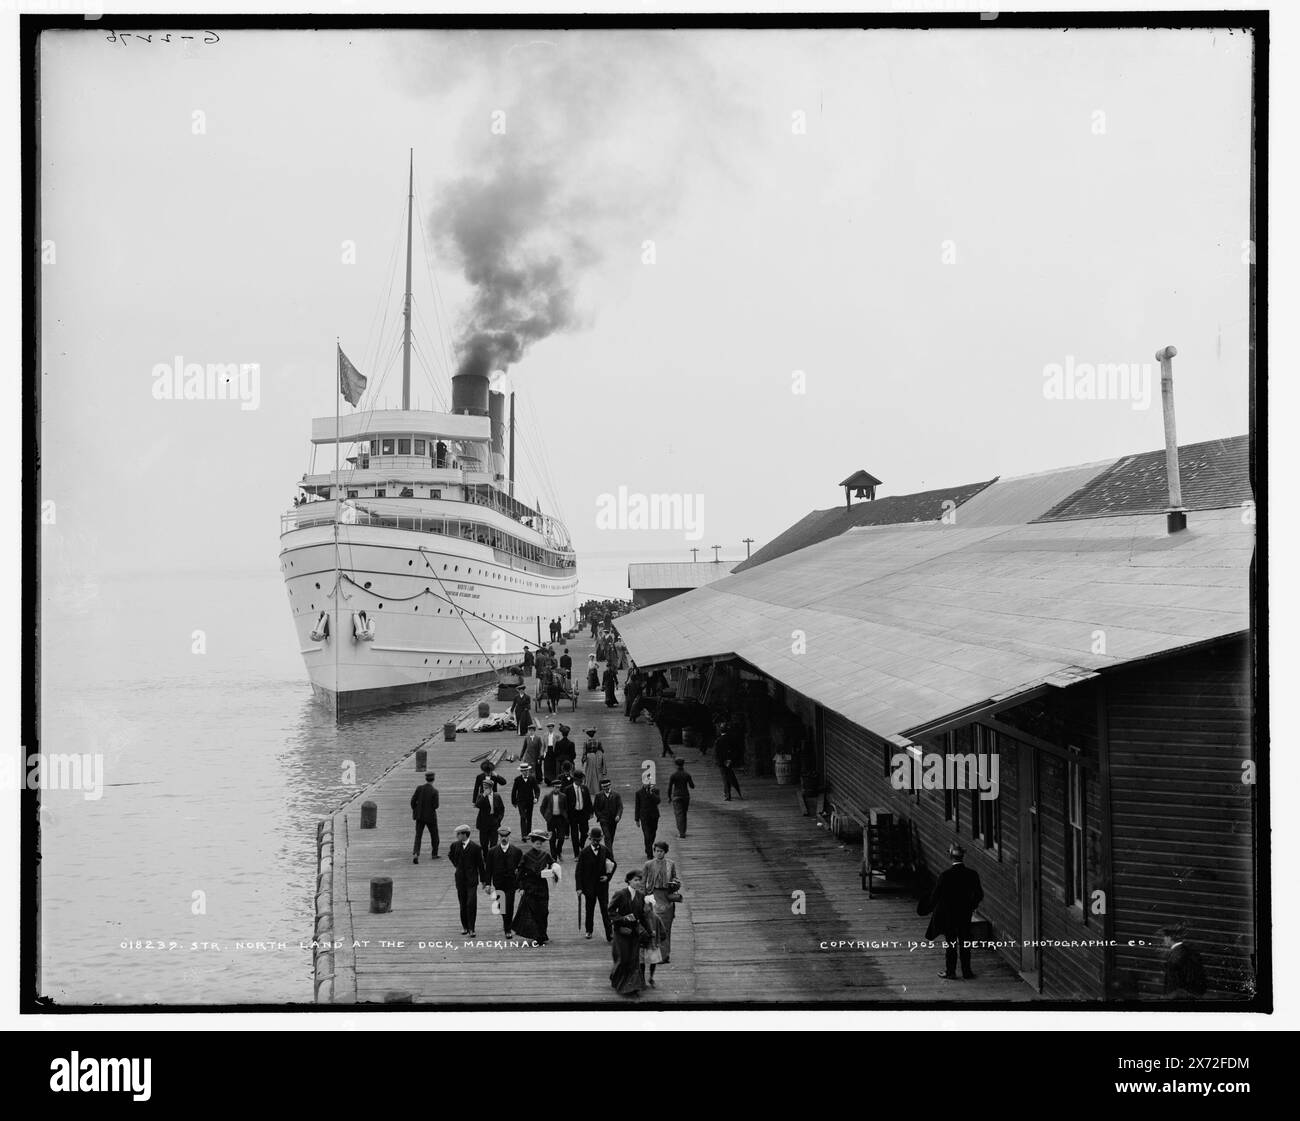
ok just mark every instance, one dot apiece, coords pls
pixel 318 585
pixel 367 584
pixel 409 563
pixel 381 607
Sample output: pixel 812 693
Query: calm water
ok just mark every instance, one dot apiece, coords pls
pixel 216 769
pixel 217 766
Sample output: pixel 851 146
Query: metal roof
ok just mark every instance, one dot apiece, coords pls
pixel 1022 498
pixel 897 627
pixel 687 574
pixel 1214 474
pixel 925 506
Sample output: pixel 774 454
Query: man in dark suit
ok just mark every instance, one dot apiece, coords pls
pixel 491 811
pixel 955 896
pixel 524 795
pixel 555 812
pixel 645 812
pixel 424 810
pixel 608 809
pixel 500 875
pixel 467 858
pixel 596 864
pixel 580 808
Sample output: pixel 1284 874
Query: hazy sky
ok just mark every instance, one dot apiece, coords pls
pixel 960 211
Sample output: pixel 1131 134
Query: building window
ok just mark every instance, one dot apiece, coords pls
pixel 374 447
pixel 352 494
pixel 951 798
pixel 419 447
pixel 435 494
pixel 363 462
pixel 1075 853
pixel 388 447
pixel 381 493
pixel 404 447
pixel 986 813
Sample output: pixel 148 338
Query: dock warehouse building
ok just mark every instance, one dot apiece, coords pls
pixel 654 583
pixel 1060 623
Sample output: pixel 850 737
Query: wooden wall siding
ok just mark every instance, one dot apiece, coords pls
pixel 1068 719
pixel 857 782
pixel 1184 822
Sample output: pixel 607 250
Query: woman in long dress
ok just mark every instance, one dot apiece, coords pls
pixel 537 871
pixel 593 762
pixel 663 890
pixel 610 683
pixel 629 914
pixel 593 674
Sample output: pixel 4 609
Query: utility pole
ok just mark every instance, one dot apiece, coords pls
pixel 748 542
pixel 715 549
pixel 695 555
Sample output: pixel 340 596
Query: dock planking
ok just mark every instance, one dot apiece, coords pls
pixel 767 895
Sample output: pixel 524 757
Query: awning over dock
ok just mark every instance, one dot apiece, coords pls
pixel 899 627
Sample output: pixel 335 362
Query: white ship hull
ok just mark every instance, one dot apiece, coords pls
pixel 447 613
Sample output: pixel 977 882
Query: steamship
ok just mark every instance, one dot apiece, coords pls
pixel 412 569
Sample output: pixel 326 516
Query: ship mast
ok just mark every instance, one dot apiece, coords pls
pixel 406 305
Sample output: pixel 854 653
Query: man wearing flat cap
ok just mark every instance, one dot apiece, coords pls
pixel 424 811
pixel 524 795
pixel 466 857
pixel 607 807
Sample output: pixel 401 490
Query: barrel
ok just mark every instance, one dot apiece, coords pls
pixel 484 709
pixel 421 759
pixel 781 767
pixel 449 732
pixel 381 895
pixel 369 815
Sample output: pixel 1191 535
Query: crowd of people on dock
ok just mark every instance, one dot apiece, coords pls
pixel 566 785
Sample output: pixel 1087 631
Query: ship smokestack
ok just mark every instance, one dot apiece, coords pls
pixel 469 394
pixel 1176 515
pixel 497 426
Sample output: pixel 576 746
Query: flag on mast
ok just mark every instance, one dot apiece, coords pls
pixel 351 381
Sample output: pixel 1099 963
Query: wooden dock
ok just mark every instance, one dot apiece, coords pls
pixel 774 910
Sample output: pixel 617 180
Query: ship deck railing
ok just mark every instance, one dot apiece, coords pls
pixel 305 518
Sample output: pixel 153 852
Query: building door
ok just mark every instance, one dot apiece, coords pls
pixel 1030 880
